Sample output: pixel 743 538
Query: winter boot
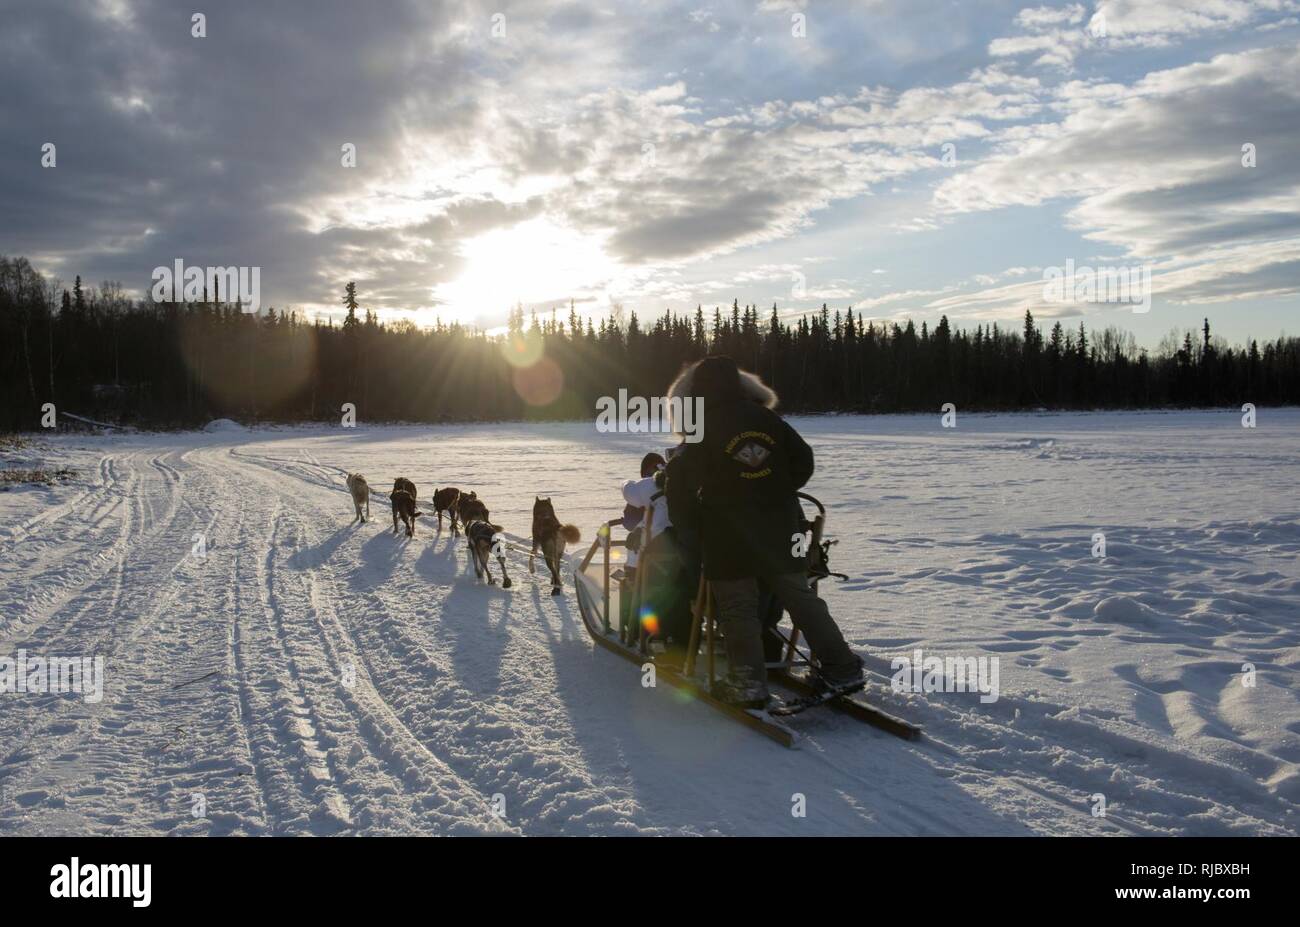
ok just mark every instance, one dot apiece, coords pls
pixel 740 690
pixel 847 676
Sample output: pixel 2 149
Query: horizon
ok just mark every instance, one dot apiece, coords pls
pixel 543 317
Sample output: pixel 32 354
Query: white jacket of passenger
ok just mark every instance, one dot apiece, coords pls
pixel 639 493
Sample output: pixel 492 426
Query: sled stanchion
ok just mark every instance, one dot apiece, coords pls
pixel 638 597
pixel 582 567
pixel 710 607
pixel 591 552
pixel 818 526
pixel 604 616
pixel 697 618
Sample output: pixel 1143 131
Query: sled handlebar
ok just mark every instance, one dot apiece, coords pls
pixel 821 509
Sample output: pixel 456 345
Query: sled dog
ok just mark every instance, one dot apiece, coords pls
pixel 551 536
pixel 469 507
pixel 360 491
pixel 444 500
pixel 482 537
pixel 404 508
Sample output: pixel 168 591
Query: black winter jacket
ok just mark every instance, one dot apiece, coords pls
pixel 737 488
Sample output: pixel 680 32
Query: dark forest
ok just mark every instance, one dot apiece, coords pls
pixel 99 354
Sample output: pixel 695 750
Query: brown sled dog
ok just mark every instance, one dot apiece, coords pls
pixel 444 500
pixel 403 483
pixel 551 536
pixel 404 507
pixel 482 537
pixel 360 491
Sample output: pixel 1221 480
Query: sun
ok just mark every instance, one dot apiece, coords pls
pixel 538 261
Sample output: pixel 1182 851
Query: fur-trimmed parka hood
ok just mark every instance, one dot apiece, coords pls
pixel 718 378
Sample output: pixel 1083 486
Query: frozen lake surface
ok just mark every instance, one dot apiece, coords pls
pixel 308 675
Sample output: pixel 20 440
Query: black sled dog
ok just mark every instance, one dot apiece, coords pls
pixel 404 508
pixel 469 507
pixel 403 483
pixel 550 536
pixel 483 540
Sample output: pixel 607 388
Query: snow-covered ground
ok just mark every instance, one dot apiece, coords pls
pixel 308 675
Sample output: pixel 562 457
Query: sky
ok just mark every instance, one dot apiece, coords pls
pixel 906 158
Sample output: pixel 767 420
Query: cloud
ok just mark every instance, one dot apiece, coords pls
pixel 1041 17
pixel 1147 23
pixel 1157 170
pixel 1057 36
pixel 226 149
pixel 665 141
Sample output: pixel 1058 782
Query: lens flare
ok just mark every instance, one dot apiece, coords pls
pixel 227 381
pixel 540 384
pixel 649 620
pixel 522 349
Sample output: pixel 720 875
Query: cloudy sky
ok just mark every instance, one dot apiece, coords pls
pixel 903 157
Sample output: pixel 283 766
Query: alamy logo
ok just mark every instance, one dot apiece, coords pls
pixel 921 674
pixel 656 415
pixel 88 880
pixel 181 284
pixel 1124 285
pixel 21 674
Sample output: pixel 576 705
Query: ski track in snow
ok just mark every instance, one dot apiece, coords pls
pixel 313 676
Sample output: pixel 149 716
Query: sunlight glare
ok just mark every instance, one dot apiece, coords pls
pixel 533 262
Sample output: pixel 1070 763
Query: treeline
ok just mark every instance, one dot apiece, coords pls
pixel 96 353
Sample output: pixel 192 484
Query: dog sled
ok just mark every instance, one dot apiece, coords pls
pixel 598 593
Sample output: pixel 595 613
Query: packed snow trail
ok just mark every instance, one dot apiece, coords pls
pixel 272 668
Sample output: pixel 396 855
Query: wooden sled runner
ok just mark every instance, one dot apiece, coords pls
pixel 598 596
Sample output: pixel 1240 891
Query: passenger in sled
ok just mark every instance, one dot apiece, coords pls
pixel 632 523
pixel 668 576
pixel 736 488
